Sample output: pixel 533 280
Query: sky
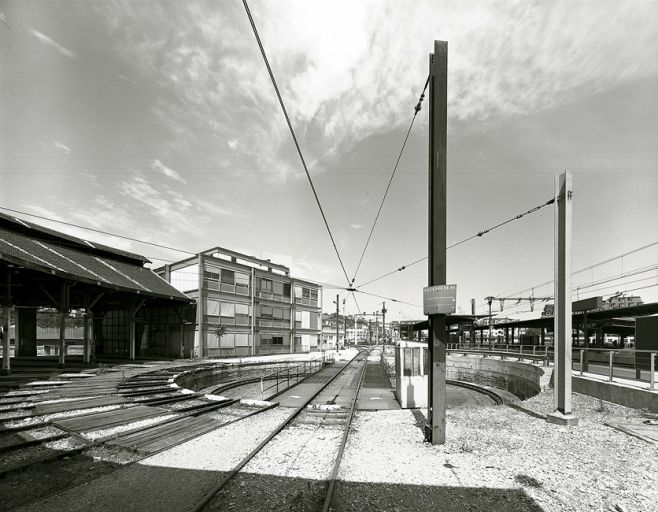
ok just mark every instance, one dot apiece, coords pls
pixel 157 120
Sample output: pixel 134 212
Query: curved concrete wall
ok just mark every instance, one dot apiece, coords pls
pixel 520 379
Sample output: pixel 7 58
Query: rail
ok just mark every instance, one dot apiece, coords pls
pixel 627 364
pixel 229 476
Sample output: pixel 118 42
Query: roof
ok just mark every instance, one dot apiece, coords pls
pixel 36 231
pixel 56 256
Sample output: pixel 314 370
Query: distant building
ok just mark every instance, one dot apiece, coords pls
pixel 254 304
pixel 329 338
pixel 614 302
pixel 358 335
pixel 622 301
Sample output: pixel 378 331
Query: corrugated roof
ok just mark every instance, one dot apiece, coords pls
pixel 33 230
pixel 77 263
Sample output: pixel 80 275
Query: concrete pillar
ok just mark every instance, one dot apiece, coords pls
pixel 86 349
pixel 563 312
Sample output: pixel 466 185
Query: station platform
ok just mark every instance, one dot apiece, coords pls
pixel 376 392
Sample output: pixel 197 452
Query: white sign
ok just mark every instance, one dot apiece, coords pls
pixel 440 299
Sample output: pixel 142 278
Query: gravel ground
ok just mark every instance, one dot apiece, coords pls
pixel 497 458
pixel 221 449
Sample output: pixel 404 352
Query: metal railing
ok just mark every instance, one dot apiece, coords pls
pixel 629 364
pixel 283 377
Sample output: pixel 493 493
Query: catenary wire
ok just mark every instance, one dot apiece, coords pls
pixel 98 231
pixel 294 137
pixel 417 109
pixel 478 234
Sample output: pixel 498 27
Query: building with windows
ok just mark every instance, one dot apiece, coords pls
pixel 246 305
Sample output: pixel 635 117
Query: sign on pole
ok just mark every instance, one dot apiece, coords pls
pixel 440 299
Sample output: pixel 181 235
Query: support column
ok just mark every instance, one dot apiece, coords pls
pixel 133 311
pixel 63 311
pixel 437 227
pixel 562 321
pixel 6 364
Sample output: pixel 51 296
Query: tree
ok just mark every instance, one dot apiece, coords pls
pixel 219 330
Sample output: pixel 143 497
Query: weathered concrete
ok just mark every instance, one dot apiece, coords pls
pixel 520 379
pixel 615 393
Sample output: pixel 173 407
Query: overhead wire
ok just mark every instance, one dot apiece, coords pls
pixel 294 137
pixel 161 246
pixel 417 109
pixel 478 234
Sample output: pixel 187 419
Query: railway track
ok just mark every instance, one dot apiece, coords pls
pixel 146 415
pixel 325 417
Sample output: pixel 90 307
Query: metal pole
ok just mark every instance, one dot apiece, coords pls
pixel 337 320
pixel 6 364
pixel 384 323
pixel 611 355
pixel 437 226
pixel 652 368
pixel 562 321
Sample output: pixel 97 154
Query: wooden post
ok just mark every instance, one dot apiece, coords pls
pixel 562 319
pixel 437 227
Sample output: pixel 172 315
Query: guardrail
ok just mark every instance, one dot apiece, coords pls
pixel 628 364
pixel 291 374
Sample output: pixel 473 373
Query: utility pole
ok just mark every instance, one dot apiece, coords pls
pixel 337 320
pixel 376 313
pixel 384 321
pixel 489 301
pixel 437 227
pixel 562 314
pixel 369 331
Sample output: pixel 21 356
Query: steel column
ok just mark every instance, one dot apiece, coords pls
pixel 437 227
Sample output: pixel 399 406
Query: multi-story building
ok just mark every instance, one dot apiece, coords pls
pixel 246 305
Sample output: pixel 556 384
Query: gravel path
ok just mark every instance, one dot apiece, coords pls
pixel 497 458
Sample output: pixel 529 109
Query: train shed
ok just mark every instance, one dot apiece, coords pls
pixel 127 311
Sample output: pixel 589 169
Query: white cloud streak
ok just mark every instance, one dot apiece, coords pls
pixel 157 165
pixel 47 41
pixel 62 147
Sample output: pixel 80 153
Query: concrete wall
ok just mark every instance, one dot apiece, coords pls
pixel 615 393
pixel 520 379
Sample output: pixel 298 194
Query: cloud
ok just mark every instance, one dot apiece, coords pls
pixel 3 18
pixel 232 143
pixel 62 147
pixel 45 40
pixel 123 77
pixel 356 226
pixel 157 165
pixel 348 70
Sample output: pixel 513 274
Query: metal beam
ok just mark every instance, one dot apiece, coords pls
pixel 438 114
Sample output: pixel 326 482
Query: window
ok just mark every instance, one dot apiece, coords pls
pixel 298 319
pixel 286 291
pixel 228 309
pixel 228 276
pixel 277 340
pixel 265 339
pixel 314 297
pixel 212 307
pixel 277 314
pixel 313 324
pixel 241 283
pixel 298 294
pixel 266 285
pixel 241 340
pixel 277 288
pixel 306 319
pixel 266 311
